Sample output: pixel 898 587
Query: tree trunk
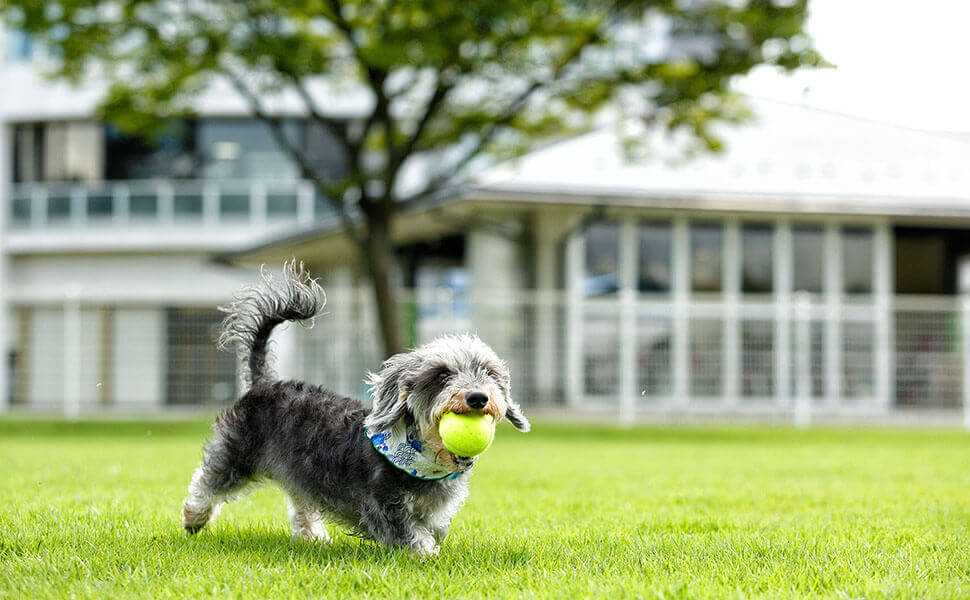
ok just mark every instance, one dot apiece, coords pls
pixel 380 264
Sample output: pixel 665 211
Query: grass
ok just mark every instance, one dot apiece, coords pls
pixel 90 509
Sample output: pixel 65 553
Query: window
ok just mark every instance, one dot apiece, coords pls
pixel 28 152
pixel 58 151
pixel 602 258
pixel 857 260
pixel 757 252
pixel 246 148
pixel 706 250
pixel 654 260
pixel 807 247
pixel 74 151
pixel 443 288
pixel 171 153
pixel 323 151
pixel 20 46
pixel 243 148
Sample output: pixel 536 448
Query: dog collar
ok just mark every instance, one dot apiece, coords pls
pixel 401 446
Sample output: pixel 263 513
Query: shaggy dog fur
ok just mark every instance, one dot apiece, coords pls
pixel 312 442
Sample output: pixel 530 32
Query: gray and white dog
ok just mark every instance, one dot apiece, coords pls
pixel 329 453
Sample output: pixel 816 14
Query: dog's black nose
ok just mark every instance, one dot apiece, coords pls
pixel 476 400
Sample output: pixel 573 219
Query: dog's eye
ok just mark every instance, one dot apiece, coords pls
pixel 443 376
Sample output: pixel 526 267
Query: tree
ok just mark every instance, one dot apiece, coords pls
pixel 452 84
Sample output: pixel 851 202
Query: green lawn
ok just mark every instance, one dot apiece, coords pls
pixel 91 509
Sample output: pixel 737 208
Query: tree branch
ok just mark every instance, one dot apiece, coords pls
pixel 352 147
pixel 437 98
pixel 334 126
pixel 375 79
pixel 512 111
pixel 306 170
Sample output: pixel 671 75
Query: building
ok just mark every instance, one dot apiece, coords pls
pixel 815 265
pixel 818 258
pixel 106 242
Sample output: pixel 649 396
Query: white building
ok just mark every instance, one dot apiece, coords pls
pixel 653 287
pixel 641 288
pixel 108 282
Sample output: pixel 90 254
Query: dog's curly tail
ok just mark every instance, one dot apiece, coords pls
pixel 257 309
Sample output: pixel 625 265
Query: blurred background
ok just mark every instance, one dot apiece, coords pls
pixel 808 261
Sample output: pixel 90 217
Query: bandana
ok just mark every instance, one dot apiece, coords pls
pixel 401 446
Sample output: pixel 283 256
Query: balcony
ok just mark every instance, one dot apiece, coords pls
pixel 157 213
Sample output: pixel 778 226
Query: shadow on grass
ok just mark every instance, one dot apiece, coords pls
pixel 271 549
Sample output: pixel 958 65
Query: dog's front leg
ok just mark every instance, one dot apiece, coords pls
pixel 391 522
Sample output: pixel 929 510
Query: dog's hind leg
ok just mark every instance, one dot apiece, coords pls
pixel 306 521
pixel 219 478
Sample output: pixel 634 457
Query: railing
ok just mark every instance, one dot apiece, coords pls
pixel 800 362
pixel 164 203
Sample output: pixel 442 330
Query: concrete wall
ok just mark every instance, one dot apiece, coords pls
pixel 118 279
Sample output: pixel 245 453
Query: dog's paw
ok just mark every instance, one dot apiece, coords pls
pixel 195 516
pixel 426 548
pixel 315 532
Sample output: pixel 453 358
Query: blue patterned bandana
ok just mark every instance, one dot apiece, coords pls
pixel 401 446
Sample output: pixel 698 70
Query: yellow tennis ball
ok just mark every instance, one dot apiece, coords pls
pixel 469 434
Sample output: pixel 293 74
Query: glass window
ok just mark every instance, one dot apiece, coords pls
pixel 807 247
pixel 706 249
pixel 245 148
pixel 654 270
pixel 324 151
pixel 857 260
pixel 221 149
pixel 20 46
pixel 442 288
pixel 58 151
pixel 28 152
pixel 171 153
pixel 602 258
pixel 757 252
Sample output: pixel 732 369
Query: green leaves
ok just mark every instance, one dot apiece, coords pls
pixel 449 79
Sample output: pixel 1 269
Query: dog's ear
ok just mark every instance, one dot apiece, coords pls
pixel 389 393
pixel 514 414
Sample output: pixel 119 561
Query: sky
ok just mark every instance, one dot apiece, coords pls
pixel 901 62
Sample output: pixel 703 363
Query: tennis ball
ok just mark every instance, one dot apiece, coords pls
pixel 469 434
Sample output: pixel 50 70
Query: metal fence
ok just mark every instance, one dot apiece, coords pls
pixel 84 358
pixel 797 359
pixel 802 359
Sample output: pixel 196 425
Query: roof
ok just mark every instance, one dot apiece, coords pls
pixel 786 153
pixel 787 159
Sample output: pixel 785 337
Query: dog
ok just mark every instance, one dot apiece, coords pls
pixel 384 473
